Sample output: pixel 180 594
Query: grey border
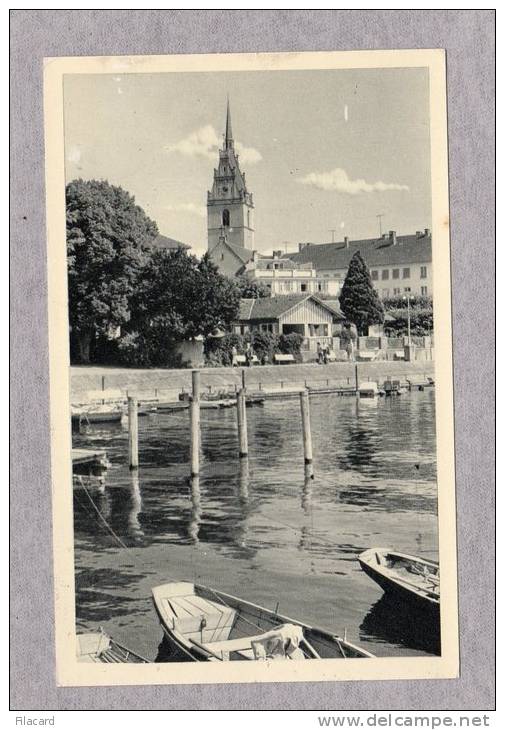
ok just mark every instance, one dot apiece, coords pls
pixel 468 37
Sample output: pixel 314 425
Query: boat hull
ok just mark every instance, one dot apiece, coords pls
pixel 178 648
pixel 395 587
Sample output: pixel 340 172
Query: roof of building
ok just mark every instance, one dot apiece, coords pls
pixel 271 308
pixel 409 249
pixel 165 242
pixel 244 254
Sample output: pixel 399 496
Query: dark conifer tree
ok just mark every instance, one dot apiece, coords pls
pixel 359 301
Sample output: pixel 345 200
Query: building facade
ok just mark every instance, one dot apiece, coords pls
pixel 304 314
pixel 398 264
pixel 230 209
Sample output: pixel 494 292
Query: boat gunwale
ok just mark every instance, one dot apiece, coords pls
pixel 324 633
pixel 393 578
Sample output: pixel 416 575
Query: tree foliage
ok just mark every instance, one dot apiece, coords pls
pixel 252 288
pixel 359 301
pixel 178 297
pixel 107 236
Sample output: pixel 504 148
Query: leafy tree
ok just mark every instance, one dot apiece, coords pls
pixel 252 288
pixel 178 297
pixel 359 301
pixel 107 235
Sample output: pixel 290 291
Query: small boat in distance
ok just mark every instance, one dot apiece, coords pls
pixel 368 389
pixel 202 624
pixel 98 647
pixel 410 578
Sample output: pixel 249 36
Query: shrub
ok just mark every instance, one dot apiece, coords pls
pixel 291 345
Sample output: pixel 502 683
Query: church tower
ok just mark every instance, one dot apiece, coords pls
pixel 230 206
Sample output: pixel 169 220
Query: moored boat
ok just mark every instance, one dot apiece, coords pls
pixel 203 624
pixel 410 578
pixel 98 647
pixel 368 389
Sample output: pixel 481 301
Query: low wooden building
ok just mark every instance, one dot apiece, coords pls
pixel 304 314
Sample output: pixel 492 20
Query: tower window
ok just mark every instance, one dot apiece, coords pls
pixel 226 218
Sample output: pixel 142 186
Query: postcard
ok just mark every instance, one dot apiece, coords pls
pixel 251 368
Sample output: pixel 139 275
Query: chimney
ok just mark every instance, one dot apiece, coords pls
pixel 301 246
pixel 346 241
pixel 419 234
pixel 392 237
pixel 277 254
pixel 427 232
pixel 384 236
pixel 255 256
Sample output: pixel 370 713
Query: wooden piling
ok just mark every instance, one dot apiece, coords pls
pixel 194 421
pixel 356 378
pixel 243 380
pixel 242 425
pixel 133 433
pixel 307 435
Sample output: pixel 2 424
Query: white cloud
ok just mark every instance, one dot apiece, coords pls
pixel 346 112
pixel 339 181
pixel 248 155
pixel 205 142
pixel 199 210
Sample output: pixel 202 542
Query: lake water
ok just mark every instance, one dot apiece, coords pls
pixel 259 529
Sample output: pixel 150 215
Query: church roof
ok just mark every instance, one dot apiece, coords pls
pixel 411 249
pixel 271 308
pixel 164 242
pixel 244 254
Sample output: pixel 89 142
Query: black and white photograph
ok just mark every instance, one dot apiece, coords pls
pixel 251 367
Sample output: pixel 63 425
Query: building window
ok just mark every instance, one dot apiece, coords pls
pixel 424 291
pixel 407 289
pixel 385 293
pixel 406 274
pixel 375 275
pixel 266 327
pixel 226 218
pixel 303 287
pixel 396 273
pixel 424 272
pixel 396 291
pixel 385 274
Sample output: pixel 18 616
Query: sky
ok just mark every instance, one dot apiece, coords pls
pixel 322 150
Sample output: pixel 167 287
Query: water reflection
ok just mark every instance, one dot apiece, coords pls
pixel 254 526
pixel 392 621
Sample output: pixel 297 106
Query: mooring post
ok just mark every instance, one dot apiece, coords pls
pixel 307 435
pixel 242 424
pixel 243 380
pixel 194 421
pixel 133 433
pixel 356 378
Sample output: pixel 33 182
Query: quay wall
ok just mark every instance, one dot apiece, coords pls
pixel 91 378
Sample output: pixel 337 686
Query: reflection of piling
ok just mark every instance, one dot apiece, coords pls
pixel 307 488
pixel 196 510
pixel 242 424
pixel 244 480
pixel 307 435
pixel 194 420
pixel 133 433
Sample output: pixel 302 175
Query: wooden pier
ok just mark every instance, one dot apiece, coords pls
pixel 89 459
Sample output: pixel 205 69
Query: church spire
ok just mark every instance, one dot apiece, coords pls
pixel 228 137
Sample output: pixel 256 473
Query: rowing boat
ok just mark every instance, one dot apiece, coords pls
pixel 410 578
pixel 100 648
pixel 202 624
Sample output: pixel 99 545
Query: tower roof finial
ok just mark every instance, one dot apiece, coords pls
pixel 228 137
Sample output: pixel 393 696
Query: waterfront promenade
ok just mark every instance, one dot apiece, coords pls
pixel 89 378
